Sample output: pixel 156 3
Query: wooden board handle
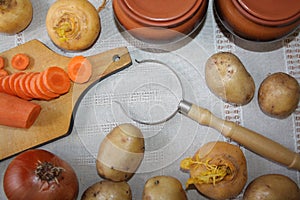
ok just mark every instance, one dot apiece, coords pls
pixel 247 138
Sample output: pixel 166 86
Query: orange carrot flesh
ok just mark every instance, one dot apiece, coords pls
pixel 33 86
pixel 2 62
pixel 6 86
pixel 43 88
pixel 18 90
pixel 12 79
pixel 3 72
pixel 22 85
pixel 20 61
pixel 56 80
pixel 27 83
pixel 16 112
pixel 79 69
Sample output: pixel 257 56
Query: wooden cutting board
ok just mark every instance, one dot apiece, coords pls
pixel 55 119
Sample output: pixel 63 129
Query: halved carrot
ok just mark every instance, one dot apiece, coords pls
pixel 20 61
pixel 23 114
pixel 79 69
pixel 3 72
pixel 2 62
pixel 43 88
pixel 56 80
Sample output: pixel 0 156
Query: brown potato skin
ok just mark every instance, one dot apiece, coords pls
pixel 120 153
pixel 228 79
pixel 278 95
pixel 272 187
pixel 163 187
pixel 108 190
pixel 222 153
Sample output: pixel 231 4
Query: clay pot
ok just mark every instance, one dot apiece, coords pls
pixel 264 20
pixel 157 21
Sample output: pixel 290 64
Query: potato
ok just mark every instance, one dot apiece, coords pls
pixel 108 190
pixel 272 187
pixel 218 170
pixel 278 95
pixel 73 25
pixel 228 79
pixel 15 15
pixel 163 187
pixel 120 153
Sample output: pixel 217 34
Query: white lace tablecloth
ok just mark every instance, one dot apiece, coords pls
pixel 167 144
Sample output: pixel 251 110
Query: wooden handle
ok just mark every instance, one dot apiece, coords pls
pixel 248 138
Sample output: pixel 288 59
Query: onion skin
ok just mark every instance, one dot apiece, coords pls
pixel 73 25
pixel 15 15
pixel 221 154
pixel 21 183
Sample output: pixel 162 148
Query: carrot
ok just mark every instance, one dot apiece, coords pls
pixel 27 84
pixel 5 85
pixel 2 62
pixel 79 69
pixel 16 112
pixel 18 90
pixel 37 93
pixel 56 80
pixel 12 79
pixel 3 72
pixel 43 88
pixel 20 61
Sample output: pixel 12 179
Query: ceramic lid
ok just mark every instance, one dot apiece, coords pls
pixel 271 12
pixel 160 11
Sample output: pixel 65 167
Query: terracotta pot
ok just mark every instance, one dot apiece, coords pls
pixel 264 20
pixel 159 21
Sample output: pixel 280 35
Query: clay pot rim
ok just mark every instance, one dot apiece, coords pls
pixel 180 17
pixel 250 9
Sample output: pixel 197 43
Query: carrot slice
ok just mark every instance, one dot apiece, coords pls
pixel 22 84
pixel 35 90
pixel 43 88
pixel 56 80
pixel 1 87
pixel 6 87
pixel 3 72
pixel 79 69
pixel 20 61
pixel 27 83
pixel 12 79
pixel 23 114
pixel 2 62
pixel 18 90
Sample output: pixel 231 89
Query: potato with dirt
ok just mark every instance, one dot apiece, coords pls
pixel 120 153
pixel 278 95
pixel 228 79
pixel 163 187
pixel 105 190
pixel 272 187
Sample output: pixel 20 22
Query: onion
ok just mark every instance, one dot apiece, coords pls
pixel 39 174
pixel 15 15
pixel 73 25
